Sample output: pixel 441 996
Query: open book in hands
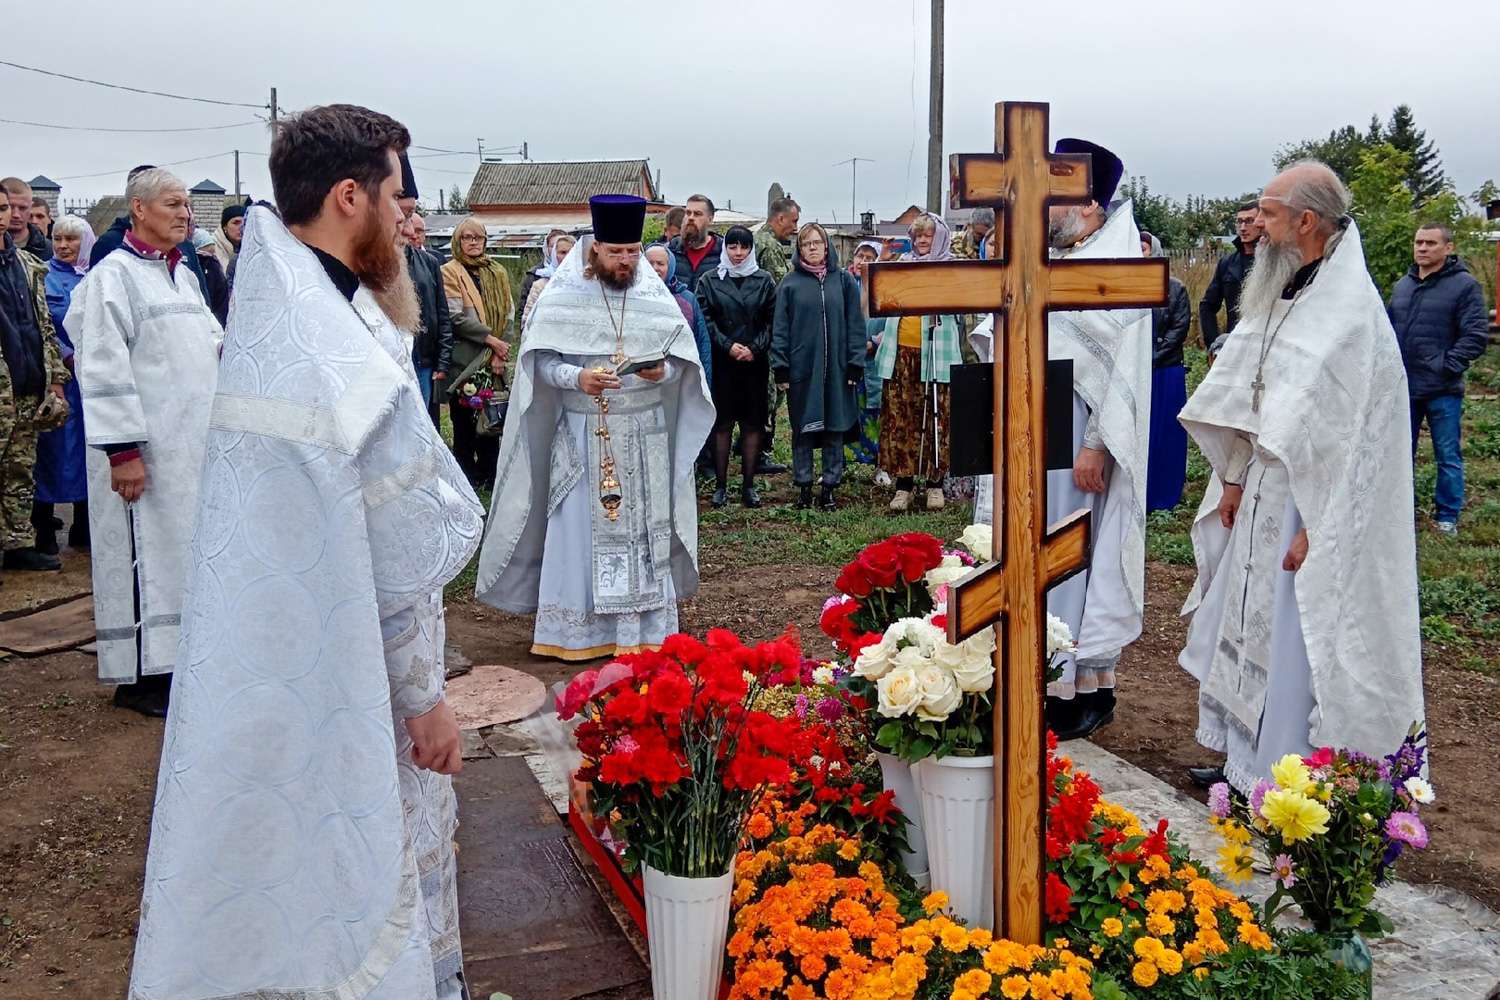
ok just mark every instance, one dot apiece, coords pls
pixel 646 362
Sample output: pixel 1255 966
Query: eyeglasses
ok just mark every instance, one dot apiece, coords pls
pixel 621 253
pixel 471 238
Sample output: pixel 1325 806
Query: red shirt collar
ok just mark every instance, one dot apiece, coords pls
pixel 146 251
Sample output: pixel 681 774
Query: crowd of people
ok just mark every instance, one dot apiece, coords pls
pixel 247 423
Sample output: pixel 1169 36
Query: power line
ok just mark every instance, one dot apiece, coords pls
pixel 86 128
pixel 124 170
pixel 133 90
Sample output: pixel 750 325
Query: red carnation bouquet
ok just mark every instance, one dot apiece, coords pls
pixel 675 757
pixel 883 584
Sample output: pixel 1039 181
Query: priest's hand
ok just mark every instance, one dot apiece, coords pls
pixel 1297 554
pixel 654 374
pixel 594 383
pixel 128 479
pixel 436 744
pixel 1088 470
pixel 1229 504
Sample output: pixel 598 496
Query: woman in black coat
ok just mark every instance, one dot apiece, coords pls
pixel 818 352
pixel 738 302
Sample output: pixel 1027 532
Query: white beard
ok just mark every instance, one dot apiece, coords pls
pixel 1064 233
pixel 1275 266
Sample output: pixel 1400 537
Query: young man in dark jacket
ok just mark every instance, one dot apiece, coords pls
pixel 1441 324
pixel 1224 289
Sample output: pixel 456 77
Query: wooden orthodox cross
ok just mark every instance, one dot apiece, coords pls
pixel 1019 284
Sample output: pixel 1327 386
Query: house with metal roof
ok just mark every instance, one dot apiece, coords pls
pixel 525 193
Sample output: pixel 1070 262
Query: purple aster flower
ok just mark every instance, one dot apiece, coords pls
pixel 1218 800
pixel 1258 796
pixel 800 706
pixel 1407 828
pixel 1284 871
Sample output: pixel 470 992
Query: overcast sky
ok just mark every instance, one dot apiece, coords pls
pixel 1194 95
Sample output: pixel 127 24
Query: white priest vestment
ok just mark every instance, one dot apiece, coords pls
pixel 1111 354
pixel 598 587
pixel 296 852
pixel 147 361
pixel 1329 655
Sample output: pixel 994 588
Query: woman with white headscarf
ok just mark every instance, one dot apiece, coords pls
pixel 556 251
pixel 61 475
pixel 913 360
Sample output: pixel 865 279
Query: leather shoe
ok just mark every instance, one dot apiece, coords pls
pixel 749 497
pixel 46 541
pixel 825 498
pixel 150 702
pixel 804 497
pixel 1206 777
pixel 720 497
pixel 1062 715
pixel 31 560
pixel 1095 710
pixel 766 467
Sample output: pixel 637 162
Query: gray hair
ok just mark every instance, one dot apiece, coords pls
pixel 148 185
pixel 1318 190
pixel 982 217
pixel 71 225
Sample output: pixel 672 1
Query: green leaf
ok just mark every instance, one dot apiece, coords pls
pixel 889 735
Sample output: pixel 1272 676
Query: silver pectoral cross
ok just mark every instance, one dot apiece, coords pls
pixel 1257 387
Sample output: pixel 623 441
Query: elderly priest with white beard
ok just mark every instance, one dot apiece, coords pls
pixel 1305 625
pixel 594 523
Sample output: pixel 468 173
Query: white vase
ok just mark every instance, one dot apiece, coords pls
pixel 958 817
pixel 687 920
pixel 901 778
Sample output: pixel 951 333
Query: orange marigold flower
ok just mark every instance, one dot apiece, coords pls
pixel 954 938
pixel 935 901
pixel 976 981
pixel 849 850
pixel 840 985
pixel 1014 987
pixel 1144 973
pixel 813 967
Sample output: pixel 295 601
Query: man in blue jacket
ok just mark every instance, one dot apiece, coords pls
pixel 1442 326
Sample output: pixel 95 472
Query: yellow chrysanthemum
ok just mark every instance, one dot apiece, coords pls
pixel 1160 924
pixel 1291 774
pixel 1294 815
pixel 1111 927
pixel 935 901
pixel 1144 973
pixel 1170 962
pixel 976 981
pixel 1148 948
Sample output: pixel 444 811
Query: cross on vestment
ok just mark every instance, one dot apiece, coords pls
pixel 1019 284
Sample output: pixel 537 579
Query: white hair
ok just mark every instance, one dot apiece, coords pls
pixel 71 225
pixel 1317 189
pixel 148 185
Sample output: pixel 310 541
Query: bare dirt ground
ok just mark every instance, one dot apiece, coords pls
pixel 77 775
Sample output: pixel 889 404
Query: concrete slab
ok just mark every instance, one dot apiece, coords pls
pixel 492 694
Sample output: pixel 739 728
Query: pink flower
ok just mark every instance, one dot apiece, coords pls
pixel 626 744
pixel 1321 757
pixel 1258 796
pixel 833 601
pixel 1283 870
pixel 1407 828
pixel 1218 800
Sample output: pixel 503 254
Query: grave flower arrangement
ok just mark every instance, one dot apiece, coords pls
pixel 885 582
pixel 675 755
pixel 1332 825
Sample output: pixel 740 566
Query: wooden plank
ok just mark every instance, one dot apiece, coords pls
pixel 1067 548
pixel 1113 284
pixel 976 602
pixel 959 286
pixel 62 626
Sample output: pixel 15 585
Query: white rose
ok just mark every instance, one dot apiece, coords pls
pixel 875 659
pixel 940 694
pixel 823 675
pixel 944 576
pixel 975 671
pixel 898 692
pixel 980 540
pixel 910 657
pixel 1419 790
pixel 1059 636
pixel 925 635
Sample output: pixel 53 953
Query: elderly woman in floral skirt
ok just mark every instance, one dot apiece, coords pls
pixel 913 361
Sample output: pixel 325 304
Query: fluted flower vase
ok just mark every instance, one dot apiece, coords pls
pixel 900 777
pixel 958 818
pixel 687 921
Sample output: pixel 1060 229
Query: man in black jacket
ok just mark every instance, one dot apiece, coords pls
pixel 1442 326
pixel 432 345
pixel 23 233
pixel 1224 289
pixel 699 248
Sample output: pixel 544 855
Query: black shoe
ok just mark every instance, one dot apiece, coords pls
pixel 720 497
pixel 46 541
pixel 1098 712
pixel 766 467
pixel 78 538
pixel 825 498
pixel 1063 714
pixel 804 497
pixel 32 560
pixel 1206 777
pixel 749 497
pixel 150 702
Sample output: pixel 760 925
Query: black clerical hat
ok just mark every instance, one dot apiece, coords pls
pixel 618 218
pixel 1107 168
pixel 408 179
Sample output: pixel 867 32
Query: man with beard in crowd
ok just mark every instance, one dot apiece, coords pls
pixel 699 248
pixel 594 523
pixel 302 843
pixel 1305 629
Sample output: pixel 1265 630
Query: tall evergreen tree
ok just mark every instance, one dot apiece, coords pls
pixel 1425 177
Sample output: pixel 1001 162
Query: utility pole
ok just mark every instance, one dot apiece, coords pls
pixel 273 105
pixel 481 150
pixel 526 151
pixel 854 162
pixel 236 175
pixel 441 195
pixel 935 115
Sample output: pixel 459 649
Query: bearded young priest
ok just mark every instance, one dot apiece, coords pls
pixel 302 840
pixel 597 533
pixel 1305 626
pixel 1111 354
